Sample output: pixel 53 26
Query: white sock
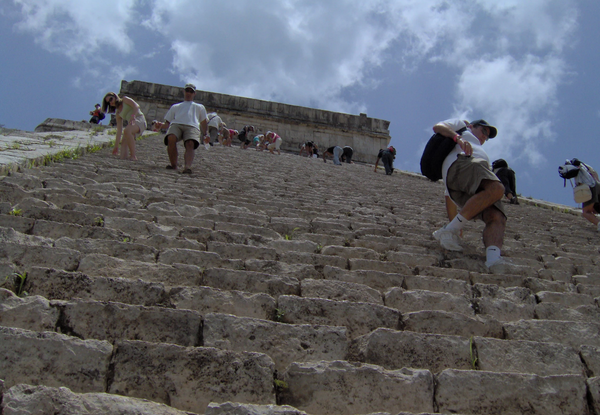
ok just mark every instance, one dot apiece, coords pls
pixel 492 254
pixel 457 223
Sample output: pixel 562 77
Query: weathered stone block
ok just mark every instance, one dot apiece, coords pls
pixel 358 318
pixel 53 359
pixel 479 392
pixel 444 285
pixel 284 343
pixel 452 324
pixel 569 333
pixel 570 300
pixel 383 266
pixel 236 251
pixel 252 282
pixel 340 291
pixel 408 301
pixel 29 313
pixel 189 378
pixel 378 280
pixel 234 408
pixel 397 349
pixel 332 388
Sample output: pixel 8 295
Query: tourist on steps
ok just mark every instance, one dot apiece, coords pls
pixel 387 156
pixel 125 109
pixel 507 177
pixel 244 137
pixel 186 121
pixel 274 142
pixel 475 189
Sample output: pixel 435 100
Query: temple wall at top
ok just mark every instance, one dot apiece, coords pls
pixel 295 124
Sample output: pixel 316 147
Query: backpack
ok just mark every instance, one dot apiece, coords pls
pixel 437 149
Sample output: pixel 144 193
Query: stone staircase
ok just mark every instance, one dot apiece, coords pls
pixel 266 284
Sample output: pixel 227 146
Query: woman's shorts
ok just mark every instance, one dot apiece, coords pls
pixel 276 145
pixel 185 133
pixel 464 178
pixel 140 121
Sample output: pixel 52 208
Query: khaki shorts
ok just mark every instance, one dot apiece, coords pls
pixel 185 133
pixel 464 178
pixel 140 121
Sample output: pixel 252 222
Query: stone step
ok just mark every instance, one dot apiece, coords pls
pixel 479 392
pixel 340 387
pixel 53 359
pixel 435 352
pixel 284 343
pixel 358 318
pixel 569 333
pixel 453 324
pixel 340 291
pixel 249 281
pixel 22 399
pixel 189 378
pixel 407 301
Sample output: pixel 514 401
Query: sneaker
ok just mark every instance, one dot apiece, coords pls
pixel 504 266
pixel 207 146
pixel 448 239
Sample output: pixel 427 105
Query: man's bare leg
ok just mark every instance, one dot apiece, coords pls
pixel 491 193
pixel 188 157
pixel 172 150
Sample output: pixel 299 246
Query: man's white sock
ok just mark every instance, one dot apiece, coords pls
pixel 492 254
pixel 457 223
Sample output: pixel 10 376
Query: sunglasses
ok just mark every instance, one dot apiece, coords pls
pixel 191 91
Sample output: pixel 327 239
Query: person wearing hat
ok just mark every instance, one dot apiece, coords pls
pixel 186 121
pixel 387 156
pixel 475 190
pixel 507 177
pixel 97 115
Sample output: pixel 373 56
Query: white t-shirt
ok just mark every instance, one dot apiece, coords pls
pixel 187 113
pixel 478 152
pixel 215 121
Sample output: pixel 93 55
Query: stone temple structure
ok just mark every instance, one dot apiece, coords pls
pixel 294 123
pixel 272 285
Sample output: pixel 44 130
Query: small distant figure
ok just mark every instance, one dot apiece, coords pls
pixel 587 176
pixel 244 137
pixel 97 115
pixel 274 142
pixel 125 109
pixel 228 135
pixel 507 177
pixel 334 153
pixel 259 142
pixel 158 126
pixel 215 126
pixel 387 157
pixel 347 153
pixel 187 122
pixel 310 149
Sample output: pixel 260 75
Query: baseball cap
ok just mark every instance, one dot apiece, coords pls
pixel 493 130
pixel 192 86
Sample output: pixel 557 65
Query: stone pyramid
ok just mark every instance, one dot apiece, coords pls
pixel 264 284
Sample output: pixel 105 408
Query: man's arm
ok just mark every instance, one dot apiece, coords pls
pixel 377 163
pixel 443 129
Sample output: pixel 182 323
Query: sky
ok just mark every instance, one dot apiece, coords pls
pixel 528 67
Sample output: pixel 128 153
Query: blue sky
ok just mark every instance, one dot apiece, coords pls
pixel 527 66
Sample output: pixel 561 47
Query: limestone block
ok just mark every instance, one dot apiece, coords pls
pixel 113 321
pixel 591 358
pixel 536 285
pixel 62 285
pixel 60 215
pixel 196 233
pixel 359 318
pixel 397 349
pixel 350 253
pixel 445 285
pixel 451 273
pixel 184 221
pixel 504 281
pixel 212 300
pixel 243 252
pixel 555 311
pixel 544 359
pixel 340 291
pixel 53 359
pixel 589 289
pixel 452 324
pixel 321 225
pixel 57 230
pixel 378 280
pixel 22 399
pixel 162 242
pixel 18 223
pixel 282 245
pixel 503 310
pixel 415 300
pixel 190 257
pixel 299 271
pixel 189 378
pixel 518 295
pixel 313 259
pixel 11 235
pixel 370 231
pixel 479 392
pixel 60 258
pixel 383 266
pixel 252 282
pixel 117 249
pixel 332 388
pixel 593 385
pixel 105 266
pixel 247 229
pixel 587 279
pixel 165 230
pixel 284 343
pixel 570 300
pixel 30 313
pixel 234 408
pixel 555 274
pixel 569 333
pixel 229 237
pixel 412 260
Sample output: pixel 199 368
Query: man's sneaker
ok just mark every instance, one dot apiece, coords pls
pixel 504 266
pixel 448 239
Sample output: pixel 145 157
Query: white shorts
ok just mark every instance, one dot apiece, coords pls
pixel 276 145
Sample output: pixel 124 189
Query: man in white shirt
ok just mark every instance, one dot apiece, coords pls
pixel 475 189
pixel 183 120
